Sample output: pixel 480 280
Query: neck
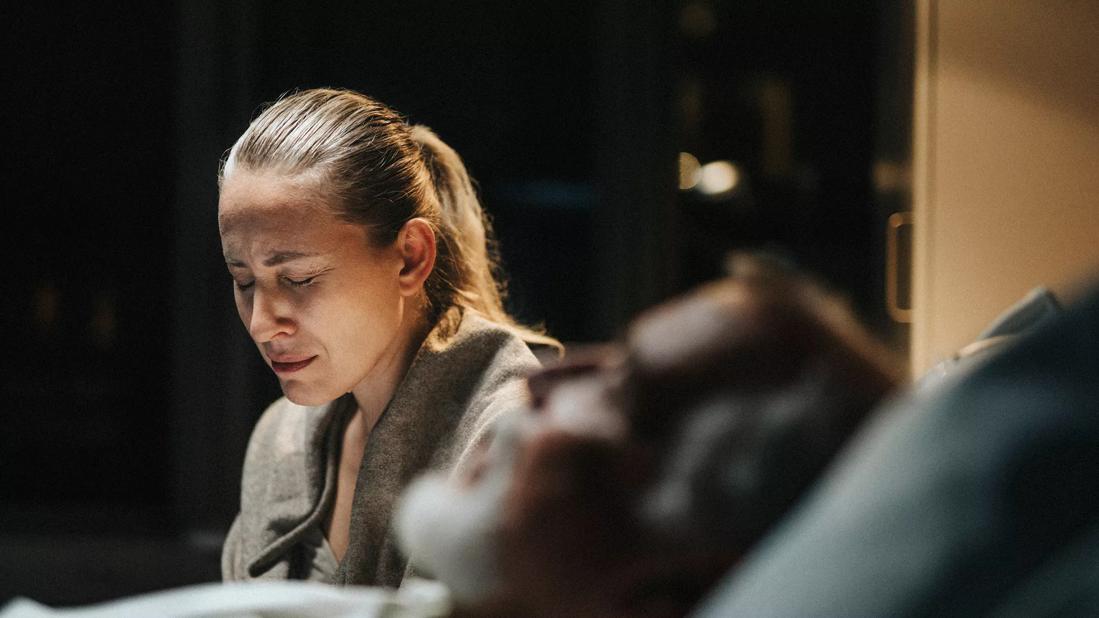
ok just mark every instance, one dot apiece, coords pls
pixel 373 394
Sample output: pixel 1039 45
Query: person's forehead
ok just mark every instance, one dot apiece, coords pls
pixel 281 229
pixel 285 216
pixel 251 198
pixel 283 211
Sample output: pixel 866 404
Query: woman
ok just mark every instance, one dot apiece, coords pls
pixel 362 269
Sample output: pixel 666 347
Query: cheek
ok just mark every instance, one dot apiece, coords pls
pixel 562 474
pixel 244 307
pixel 350 325
pixel 563 520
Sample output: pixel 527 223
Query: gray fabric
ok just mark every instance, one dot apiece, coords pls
pixel 1064 587
pixel 1034 310
pixel 955 501
pixel 454 391
pixel 1038 307
pixel 319 560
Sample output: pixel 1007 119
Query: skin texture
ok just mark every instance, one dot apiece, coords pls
pixel 309 286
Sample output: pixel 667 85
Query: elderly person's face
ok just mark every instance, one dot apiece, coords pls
pixel 644 470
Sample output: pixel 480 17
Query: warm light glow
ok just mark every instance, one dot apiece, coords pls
pixel 718 178
pixel 690 172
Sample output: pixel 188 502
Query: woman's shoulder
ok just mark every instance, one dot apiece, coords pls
pixel 479 374
pixel 481 347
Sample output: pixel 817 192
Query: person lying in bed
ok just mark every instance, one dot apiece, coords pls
pixel 644 470
pixel 640 474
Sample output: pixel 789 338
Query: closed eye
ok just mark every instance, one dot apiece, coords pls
pixel 244 286
pixel 300 283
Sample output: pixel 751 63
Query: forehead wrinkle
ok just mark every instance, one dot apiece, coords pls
pixel 295 233
pixel 277 257
pixel 274 217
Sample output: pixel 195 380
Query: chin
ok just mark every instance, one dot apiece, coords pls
pixel 305 395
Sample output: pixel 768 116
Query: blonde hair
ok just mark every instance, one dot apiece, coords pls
pixel 383 172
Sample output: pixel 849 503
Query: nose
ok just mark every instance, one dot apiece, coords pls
pixel 270 317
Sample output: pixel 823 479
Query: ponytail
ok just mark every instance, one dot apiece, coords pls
pixel 468 262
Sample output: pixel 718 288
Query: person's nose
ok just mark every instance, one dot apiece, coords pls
pixel 271 316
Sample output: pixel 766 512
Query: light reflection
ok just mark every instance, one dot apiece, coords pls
pixel 718 178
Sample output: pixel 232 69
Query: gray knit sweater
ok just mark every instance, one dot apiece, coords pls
pixel 453 392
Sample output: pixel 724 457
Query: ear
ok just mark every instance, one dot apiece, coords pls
pixel 416 244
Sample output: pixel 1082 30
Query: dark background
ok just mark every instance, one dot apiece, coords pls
pixel 129 389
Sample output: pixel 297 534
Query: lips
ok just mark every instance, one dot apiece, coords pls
pixel 290 366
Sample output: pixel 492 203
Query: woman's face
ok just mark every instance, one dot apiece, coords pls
pixel 321 303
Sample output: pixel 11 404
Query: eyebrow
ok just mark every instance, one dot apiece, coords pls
pixel 275 259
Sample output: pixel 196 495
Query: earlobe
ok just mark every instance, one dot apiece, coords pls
pixel 416 241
